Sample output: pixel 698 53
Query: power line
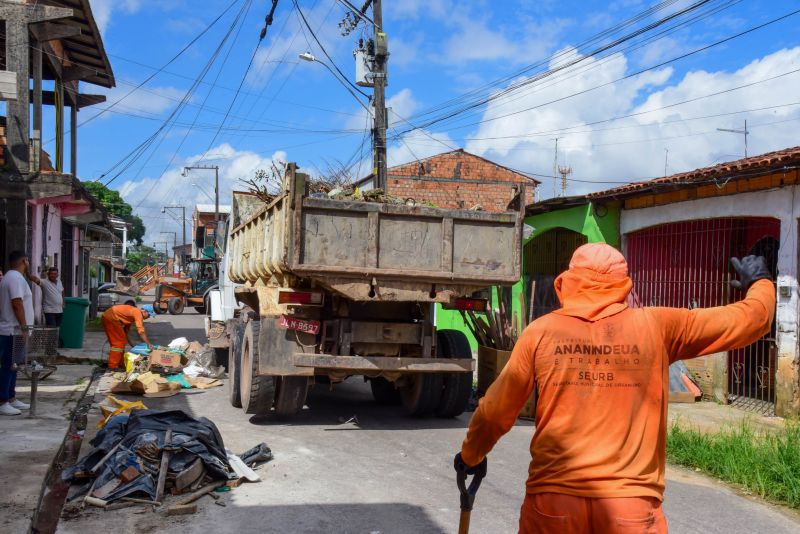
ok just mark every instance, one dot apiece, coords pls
pixel 564 66
pixel 324 51
pixel 633 74
pixel 138 151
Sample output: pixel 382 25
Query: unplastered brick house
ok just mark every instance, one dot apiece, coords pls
pixel 455 180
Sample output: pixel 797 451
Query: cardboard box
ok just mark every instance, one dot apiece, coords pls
pixel 490 363
pixel 166 359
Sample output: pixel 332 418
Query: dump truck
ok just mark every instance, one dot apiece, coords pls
pixel 330 289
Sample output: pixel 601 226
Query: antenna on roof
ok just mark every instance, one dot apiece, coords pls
pixel 745 132
pixel 564 171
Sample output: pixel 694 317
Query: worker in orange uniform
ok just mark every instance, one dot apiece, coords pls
pixel 601 370
pixel 117 321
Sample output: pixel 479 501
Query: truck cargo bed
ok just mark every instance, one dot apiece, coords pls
pixel 334 240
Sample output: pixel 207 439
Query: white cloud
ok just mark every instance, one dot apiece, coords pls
pixel 103 10
pixel 634 147
pixel 148 195
pixel 401 106
pixel 472 38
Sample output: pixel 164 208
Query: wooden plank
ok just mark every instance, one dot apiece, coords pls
pixel 382 363
pixel 49 31
pixel 8 85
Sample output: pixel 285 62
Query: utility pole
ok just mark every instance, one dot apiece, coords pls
pixel 745 132
pixel 183 225
pixel 666 159
pixel 379 96
pixel 174 242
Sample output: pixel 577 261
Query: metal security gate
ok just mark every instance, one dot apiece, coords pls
pixel 544 258
pixel 686 265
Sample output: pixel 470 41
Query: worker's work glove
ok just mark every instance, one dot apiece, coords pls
pixel 461 467
pixel 749 269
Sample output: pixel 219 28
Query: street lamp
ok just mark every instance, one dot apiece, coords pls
pixel 308 56
pixel 216 196
pixel 183 224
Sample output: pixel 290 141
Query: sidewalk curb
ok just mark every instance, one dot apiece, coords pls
pixel 54 492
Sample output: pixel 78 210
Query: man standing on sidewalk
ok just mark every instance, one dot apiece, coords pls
pixel 52 298
pixel 16 315
pixel 117 321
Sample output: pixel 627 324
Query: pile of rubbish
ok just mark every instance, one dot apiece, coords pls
pixel 165 371
pixel 141 457
pixel 354 193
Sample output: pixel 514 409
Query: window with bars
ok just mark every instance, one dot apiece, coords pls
pixel 686 264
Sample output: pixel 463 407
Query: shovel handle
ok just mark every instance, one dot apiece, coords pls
pixel 468 492
pixel 463 522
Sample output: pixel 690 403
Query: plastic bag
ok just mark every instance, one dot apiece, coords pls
pixel 180 343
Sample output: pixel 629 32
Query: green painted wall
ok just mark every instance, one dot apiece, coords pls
pixel 599 225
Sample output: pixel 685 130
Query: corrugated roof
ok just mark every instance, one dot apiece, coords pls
pixel 743 168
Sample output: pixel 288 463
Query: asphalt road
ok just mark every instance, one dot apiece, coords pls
pixel 347 465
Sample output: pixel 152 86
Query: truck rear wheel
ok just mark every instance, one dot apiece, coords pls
pixel 175 306
pixel 258 392
pixel 384 391
pixel 421 393
pixel 235 362
pixel 290 394
pixel 457 387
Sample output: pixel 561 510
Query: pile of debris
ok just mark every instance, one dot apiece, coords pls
pixel 140 458
pixel 164 371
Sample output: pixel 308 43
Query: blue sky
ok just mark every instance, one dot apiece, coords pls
pixel 611 131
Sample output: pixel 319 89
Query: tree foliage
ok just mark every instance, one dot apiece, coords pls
pixel 115 205
pixel 142 255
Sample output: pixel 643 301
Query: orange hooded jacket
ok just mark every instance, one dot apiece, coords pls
pixel 602 374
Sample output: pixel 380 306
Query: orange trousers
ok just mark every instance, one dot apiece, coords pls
pixel 554 513
pixel 117 338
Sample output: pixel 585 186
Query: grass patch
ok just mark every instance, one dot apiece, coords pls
pixel 766 464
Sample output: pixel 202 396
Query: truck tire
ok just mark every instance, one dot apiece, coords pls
pixel 457 387
pixel 384 391
pixel 175 306
pixel 422 393
pixel 235 361
pixel 290 395
pixel 258 392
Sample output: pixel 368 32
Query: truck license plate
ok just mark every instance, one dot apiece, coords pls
pixel 302 325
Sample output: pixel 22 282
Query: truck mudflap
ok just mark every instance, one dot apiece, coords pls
pixel 378 364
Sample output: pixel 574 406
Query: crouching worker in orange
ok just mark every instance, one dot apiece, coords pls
pixel 117 321
pixel 601 371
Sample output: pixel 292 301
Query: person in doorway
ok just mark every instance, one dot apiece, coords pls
pixel 601 370
pixel 52 298
pixel 117 321
pixel 16 316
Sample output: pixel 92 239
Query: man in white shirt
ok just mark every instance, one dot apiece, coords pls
pixel 52 298
pixel 16 315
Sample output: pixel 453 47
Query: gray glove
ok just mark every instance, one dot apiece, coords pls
pixel 749 269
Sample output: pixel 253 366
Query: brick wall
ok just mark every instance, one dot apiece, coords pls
pixel 459 179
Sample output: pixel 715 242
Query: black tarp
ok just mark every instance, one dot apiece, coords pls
pixel 191 437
